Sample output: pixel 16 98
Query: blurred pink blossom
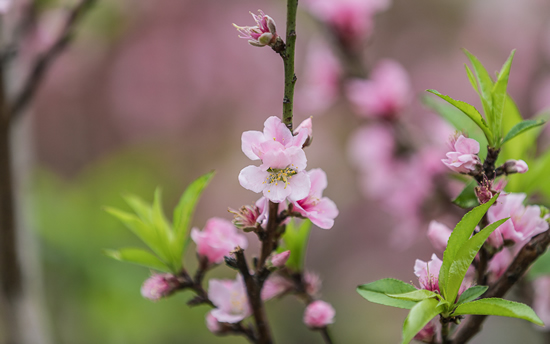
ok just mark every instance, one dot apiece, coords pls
pixel 320 83
pixel 351 19
pixel 524 223
pixel 463 157
pixel 428 273
pixel 320 210
pixel 230 299
pixel 218 238
pixel 276 285
pixel 264 33
pixel 319 314
pixel 541 303
pixel 385 94
pixel 312 283
pixel 427 333
pixel 212 323
pixel 158 286
pixel 439 234
pixel 5 6
pixel 498 264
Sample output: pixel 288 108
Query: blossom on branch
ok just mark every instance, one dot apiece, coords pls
pixel 230 299
pixel 319 314
pixel 218 238
pixel 264 33
pixel 525 221
pixel 281 174
pixel 320 210
pixel 386 94
pixel 515 166
pixel 428 273
pixel 463 157
pixel 158 286
pixel 213 324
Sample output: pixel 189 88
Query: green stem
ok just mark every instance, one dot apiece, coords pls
pixel 288 59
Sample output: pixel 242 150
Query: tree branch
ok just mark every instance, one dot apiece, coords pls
pixel 45 60
pixel 288 59
pixel 524 259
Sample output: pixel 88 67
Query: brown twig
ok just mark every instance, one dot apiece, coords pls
pixel 45 60
pixel 253 289
pixel 524 259
pixel 268 244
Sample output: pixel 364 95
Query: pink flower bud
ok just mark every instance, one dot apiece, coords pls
pixel 158 286
pixel 279 260
pixel 498 264
pixel 515 166
pixel 484 192
pixel 463 158
pixel 276 285
pixel 319 314
pixel 439 234
pixel 213 324
pixel 305 128
pixel 218 238
pixel 264 33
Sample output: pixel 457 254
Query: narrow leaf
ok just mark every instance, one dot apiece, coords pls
pixel 416 295
pixel 376 292
pixel 464 258
pixel 459 236
pixel 419 316
pixel 501 307
pixel 468 110
pixel 141 208
pixel 485 86
pixel 472 293
pixel 139 257
pixel 471 77
pixel 498 96
pixel 522 127
pixel 467 198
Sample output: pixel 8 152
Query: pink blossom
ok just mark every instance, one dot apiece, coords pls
pixel 439 234
pixel 498 264
pixel 428 273
pixel 263 207
pixel 515 166
pixel 276 285
pixel 351 19
pixel 319 314
pixel 427 333
pixel 281 174
pixel 246 218
pixel 320 84
pixel 213 324
pixel 541 303
pixel 158 286
pixel 386 94
pixel 279 260
pixel 264 33
pixel 307 126
pixel 371 148
pixel 230 299
pixel 218 238
pixel 524 223
pixel 312 283
pixel 463 158
pixel 320 210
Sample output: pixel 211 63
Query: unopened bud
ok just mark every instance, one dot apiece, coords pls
pixel 305 128
pixel 279 260
pixel 319 314
pixel 159 286
pixel 515 166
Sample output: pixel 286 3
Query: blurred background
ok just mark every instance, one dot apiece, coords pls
pixel 157 93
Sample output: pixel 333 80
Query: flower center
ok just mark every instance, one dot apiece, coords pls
pixel 277 175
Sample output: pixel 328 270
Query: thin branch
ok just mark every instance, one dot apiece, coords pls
pixel 268 243
pixel 45 60
pixel 288 59
pixel 253 290
pixel 524 259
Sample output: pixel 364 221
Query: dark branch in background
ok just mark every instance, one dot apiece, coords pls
pixel 45 60
pixel 524 259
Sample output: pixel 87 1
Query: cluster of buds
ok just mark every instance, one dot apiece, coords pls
pixel 264 33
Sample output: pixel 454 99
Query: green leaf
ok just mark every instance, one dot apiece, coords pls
pixel 141 208
pixel 416 295
pixel 295 239
pixel 377 292
pixel 472 293
pixel 139 257
pixel 485 86
pixel 419 316
pixel 467 198
pixel 459 236
pixel 468 110
pixel 501 307
pixel 464 258
pixel 471 77
pixel 498 96
pixel 185 209
pixel 522 127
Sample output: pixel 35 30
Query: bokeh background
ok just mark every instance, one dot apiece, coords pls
pixel 157 92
